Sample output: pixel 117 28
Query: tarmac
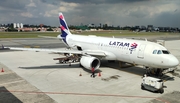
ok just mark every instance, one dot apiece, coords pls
pixel 35 77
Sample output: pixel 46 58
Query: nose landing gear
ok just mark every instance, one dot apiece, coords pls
pixel 158 72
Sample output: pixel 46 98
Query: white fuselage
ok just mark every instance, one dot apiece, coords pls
pixel 122 50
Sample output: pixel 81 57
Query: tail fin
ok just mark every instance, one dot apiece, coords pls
pixel 64 28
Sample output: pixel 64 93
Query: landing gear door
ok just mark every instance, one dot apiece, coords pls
pixel 141 51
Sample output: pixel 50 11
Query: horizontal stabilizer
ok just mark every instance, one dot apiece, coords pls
pixel 50 37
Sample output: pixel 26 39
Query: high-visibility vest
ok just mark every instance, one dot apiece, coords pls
pixel 92 69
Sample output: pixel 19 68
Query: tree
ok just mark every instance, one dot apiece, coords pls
pixel 50 29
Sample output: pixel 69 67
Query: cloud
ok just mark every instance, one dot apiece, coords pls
pixel 31 4
pixel 65 7
pixel 168 19
pixel 111 12
pixel 13 4
pixel 101 1
pixel 26 14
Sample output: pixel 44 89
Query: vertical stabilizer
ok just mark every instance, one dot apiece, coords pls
pixel 64 28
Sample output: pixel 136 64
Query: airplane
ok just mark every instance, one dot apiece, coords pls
pixel 92 49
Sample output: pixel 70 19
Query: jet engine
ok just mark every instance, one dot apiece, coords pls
pixel 88 62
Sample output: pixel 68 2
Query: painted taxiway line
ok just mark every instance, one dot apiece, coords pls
pixel 86 94
pixel 11 82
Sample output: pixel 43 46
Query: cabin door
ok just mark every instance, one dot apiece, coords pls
pixel 141 51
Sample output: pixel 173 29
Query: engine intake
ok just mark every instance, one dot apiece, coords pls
pixel 88 62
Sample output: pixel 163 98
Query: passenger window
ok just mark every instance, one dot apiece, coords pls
pixel 159 52
pixel 155 51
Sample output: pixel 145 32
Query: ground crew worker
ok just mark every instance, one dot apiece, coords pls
pixel 93 72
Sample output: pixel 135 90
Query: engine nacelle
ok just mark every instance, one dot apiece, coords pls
pixel 88 62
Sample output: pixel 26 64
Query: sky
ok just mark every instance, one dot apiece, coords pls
pixel 164 13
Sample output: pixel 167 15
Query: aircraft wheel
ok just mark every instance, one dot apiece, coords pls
pixel 142 87
pixel 80 65
pixel 161 91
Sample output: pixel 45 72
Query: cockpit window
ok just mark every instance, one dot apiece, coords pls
pixel 165 52
pixel 155 51
pixel 159 52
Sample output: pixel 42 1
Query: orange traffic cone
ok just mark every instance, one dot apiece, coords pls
pixel 2 70
pixel 99 74
pixel 80 74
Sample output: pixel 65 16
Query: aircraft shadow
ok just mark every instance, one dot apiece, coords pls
pixel 133 70
pixel 64 66
pixel 130 69
pixel 114 65
pixel 7 97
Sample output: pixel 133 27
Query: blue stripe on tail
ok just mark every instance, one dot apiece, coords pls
pixel 64 27
pixel 64 34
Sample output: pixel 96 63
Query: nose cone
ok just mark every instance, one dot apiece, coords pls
pixel 173 61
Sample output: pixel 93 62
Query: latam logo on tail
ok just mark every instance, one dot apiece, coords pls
pixel 63 27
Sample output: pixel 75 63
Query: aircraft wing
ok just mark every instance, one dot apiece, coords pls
pixel 62 50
